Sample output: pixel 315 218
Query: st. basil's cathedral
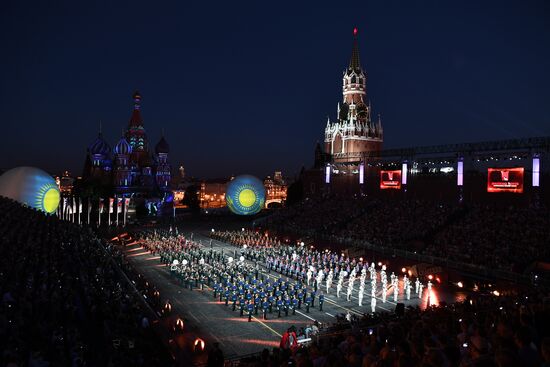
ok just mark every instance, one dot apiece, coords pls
pixel 130 169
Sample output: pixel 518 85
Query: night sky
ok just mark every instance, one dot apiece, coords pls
pixel 246 88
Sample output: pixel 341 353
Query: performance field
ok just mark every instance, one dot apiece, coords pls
pixel 245 297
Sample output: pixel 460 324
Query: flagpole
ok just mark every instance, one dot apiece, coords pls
pixel 125 210
pixel 89 209
pixel 99 210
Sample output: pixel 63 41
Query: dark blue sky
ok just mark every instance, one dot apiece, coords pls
pixel 246 88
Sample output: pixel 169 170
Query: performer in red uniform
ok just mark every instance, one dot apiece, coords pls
pixel 289 340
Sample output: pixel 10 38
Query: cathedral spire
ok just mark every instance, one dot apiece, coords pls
pixel 137 100
pixel 355 63
pixel 135 133
pixel 136 120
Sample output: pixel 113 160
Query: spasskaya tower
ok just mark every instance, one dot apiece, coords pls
pixel 353 133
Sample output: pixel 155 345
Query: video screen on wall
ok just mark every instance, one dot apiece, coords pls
pixel 390 179
pixel 505 180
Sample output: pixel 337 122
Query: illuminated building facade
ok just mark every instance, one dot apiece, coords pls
pixel 212 193
pixel 353 133
pixel 275 188
pixel 131 168
pixel 65 183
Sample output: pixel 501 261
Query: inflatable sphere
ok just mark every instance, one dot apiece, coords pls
pixel 245 195
pixel 30 186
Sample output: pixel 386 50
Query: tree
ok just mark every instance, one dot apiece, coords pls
pixel 191 198
pixel 295 193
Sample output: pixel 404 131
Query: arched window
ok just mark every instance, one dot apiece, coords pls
pixel 353 79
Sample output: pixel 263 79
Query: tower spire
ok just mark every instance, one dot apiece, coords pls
pixel 137 100
pixel 136 120
pixel 355 62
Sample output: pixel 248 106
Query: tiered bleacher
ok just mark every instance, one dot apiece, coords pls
pixel 508 238
pixel 65 301
pixel 506 331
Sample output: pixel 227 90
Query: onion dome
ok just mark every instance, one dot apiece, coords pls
pixel 100 146
pixel 123 147
pixel 162 146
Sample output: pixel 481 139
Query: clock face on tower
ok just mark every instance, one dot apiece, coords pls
pixel 361 111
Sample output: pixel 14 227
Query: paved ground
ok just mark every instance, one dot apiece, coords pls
pixel 217 322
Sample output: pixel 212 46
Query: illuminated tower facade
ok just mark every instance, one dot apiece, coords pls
pixel 353 133
pixel 163 167
pixel 136 132
pixel 122 171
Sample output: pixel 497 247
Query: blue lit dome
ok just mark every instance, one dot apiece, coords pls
pixel 100 146
pixel 123 147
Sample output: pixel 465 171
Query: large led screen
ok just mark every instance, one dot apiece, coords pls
pixel 390 179
pixel 505 179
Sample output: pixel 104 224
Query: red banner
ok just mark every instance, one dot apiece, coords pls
pixel 505 179
pixel 390 179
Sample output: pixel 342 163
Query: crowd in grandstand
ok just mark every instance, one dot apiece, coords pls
pixel 504 238
pixel 64 301
pixel 509 331
pixel 328 216
pixel 510 238
pixel 403 222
